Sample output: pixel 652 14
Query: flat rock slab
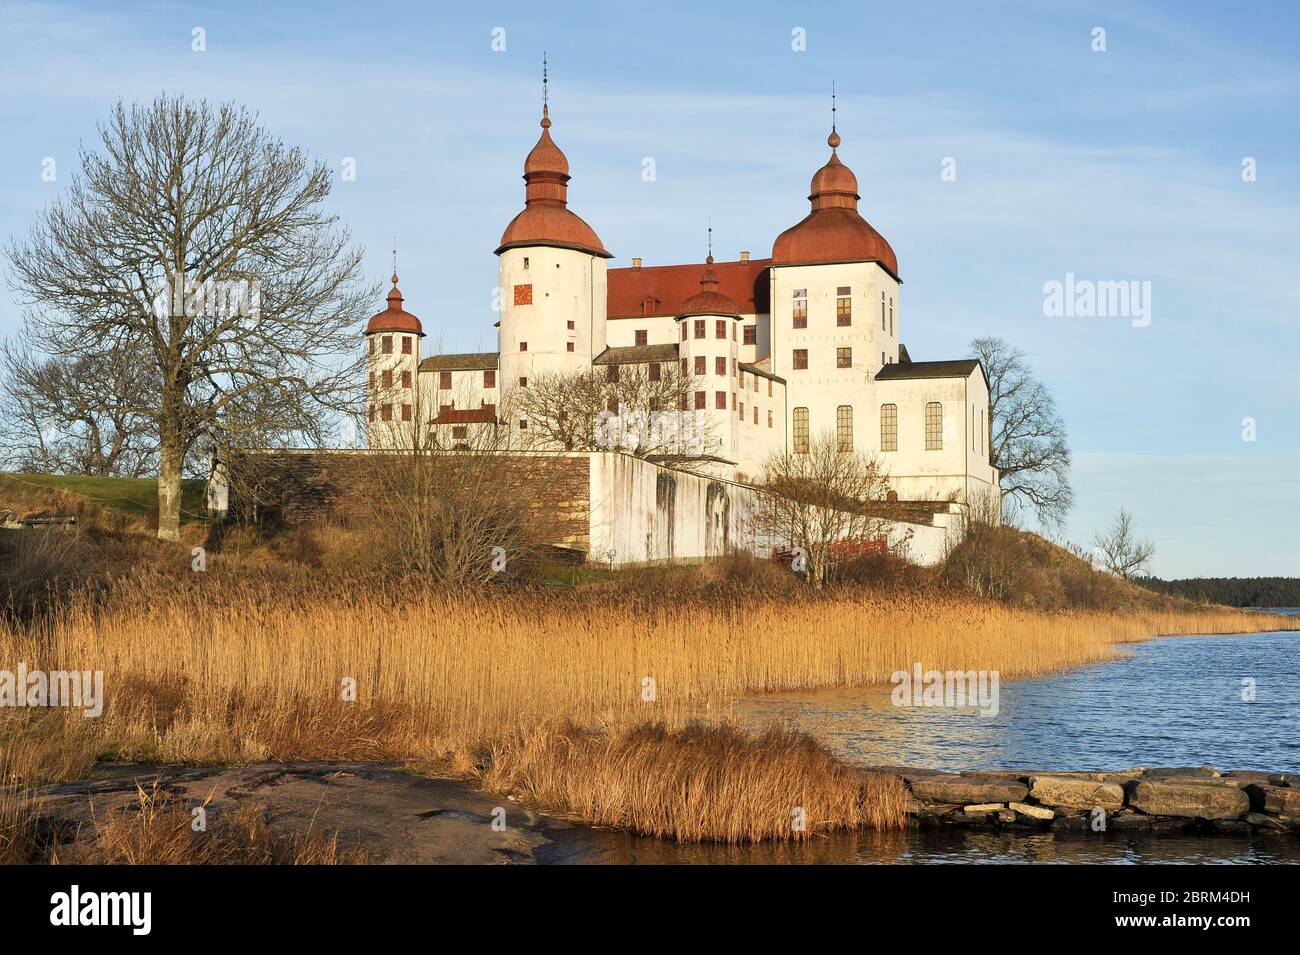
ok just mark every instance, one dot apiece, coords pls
pixel 1076 792
pixel 1284 801
pixel 394 816
pixel 1192 800
pixel 968 790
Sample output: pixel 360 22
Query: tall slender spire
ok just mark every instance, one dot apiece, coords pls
pixel 546 118
pixel 833 140
pixel 710 258
pixel 394 260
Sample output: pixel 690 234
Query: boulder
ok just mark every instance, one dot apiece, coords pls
pixel 1006 816
pixel 1189 800
pixel 968 790
pixel 1279 800
pixel 1033 812
pixel 1076 793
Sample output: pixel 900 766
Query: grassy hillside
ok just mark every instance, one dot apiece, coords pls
pixel 79 494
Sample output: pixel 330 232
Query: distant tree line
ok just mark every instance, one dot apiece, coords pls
pixel 1232 591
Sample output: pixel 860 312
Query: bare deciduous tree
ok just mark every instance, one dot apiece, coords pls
pixel 627 407
pixel 826 502
pixel 1120 550
pixel 197 239
pixel 77 415
pixel 1027 440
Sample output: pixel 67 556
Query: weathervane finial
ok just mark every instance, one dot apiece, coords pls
pixel 710 259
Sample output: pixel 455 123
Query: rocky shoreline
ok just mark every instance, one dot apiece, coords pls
pixel 1176 800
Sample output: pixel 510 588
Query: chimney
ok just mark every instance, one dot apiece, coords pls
pixel 636 263
pixel 744 256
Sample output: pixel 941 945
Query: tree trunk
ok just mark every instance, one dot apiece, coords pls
pixel 169 489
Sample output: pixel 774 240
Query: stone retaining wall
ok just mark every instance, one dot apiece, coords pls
pixel 1239 802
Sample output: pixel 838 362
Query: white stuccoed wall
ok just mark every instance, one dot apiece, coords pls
pixel 643 513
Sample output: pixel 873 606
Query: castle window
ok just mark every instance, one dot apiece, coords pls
pixel 523 346
pixel 372 412
pixel 387 378
pixel 889 427
pixel 751 334
pixel 642 337
pixel 611 373
pixel 570 326
pixel 742 381
pixel 769 387
pixel 844 358
pixel 733 368
pixel 699 328
pixel 843 306
pixel 654 371
pixel 769 417
pixel 406 344
pixel 800 430
pixel 700 368
pixel 801 308
pixel 882 358
pixel 720 400
pixel 525 269
pixel 524 294
pixel 720 328
pixel 523 381
pixel 460 431
pixel 388 345
pixel 882 311
pixel 444 380
pixel 800 358
pixel 568 346
pixel 933 426
pixel 372 346
pixel 386 412
pixel 741 409
pixel 523 425
pixel 406 412
pixel 489 378
pixel 611 404
pixel 720 365
pixel 684 371
pixel 844 428
pixel 406 379
pixel 699 401
pixel 683 331
pixel 755 414
pixel 372 381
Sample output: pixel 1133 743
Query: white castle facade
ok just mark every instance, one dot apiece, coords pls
pixel 779 351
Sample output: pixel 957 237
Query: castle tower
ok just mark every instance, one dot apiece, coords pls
pixel 552 276
pixel 834 304
pixel 709 346
pixel 392 364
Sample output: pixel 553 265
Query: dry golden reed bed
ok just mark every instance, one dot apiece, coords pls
pixel 221 671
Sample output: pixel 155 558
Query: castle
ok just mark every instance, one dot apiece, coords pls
pixel 777 352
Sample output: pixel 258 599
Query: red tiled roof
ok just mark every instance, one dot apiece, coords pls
pixel 394 318
pixel 663 289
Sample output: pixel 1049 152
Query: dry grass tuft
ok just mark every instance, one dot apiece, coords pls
pixel 158 830
pixel 700 783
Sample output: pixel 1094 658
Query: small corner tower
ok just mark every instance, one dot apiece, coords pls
pixel 393 365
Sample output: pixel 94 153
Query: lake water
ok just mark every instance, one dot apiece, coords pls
pixel 1176 701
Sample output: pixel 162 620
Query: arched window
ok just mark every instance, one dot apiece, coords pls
pixel 800 431
pixel 844 428
pixel 889 427
pixel 933 426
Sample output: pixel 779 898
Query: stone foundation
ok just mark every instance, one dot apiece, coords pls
pixel 1239 802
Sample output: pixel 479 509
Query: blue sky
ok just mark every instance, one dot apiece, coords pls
pixel 1116 166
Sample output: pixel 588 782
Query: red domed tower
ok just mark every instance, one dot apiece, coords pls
pixel 553 292
pixel 834 231
pixel 393 367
